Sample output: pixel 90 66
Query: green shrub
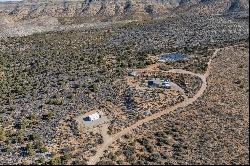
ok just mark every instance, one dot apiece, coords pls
pixel 79 162
pixel 128 151
pixel 154 157
pixel 143 141
pixel 105 163
pixel 55 161
pixel 43 149
pixel 2 134
pixel 55 101
pixel 40 161
pixel 20 136
pixel 30 149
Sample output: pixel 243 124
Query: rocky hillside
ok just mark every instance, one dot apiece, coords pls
pixel 105 10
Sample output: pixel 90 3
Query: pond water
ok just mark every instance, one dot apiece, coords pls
pixel 175 56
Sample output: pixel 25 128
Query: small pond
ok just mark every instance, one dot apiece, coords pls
pixel 170 57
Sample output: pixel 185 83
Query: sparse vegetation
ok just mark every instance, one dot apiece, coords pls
pixel 185 135
pixel 48 79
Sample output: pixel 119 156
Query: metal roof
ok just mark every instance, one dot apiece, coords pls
pixel 94 116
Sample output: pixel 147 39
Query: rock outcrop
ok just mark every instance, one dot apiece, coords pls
pixel 102 10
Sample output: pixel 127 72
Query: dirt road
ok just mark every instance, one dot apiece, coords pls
pixel 100 151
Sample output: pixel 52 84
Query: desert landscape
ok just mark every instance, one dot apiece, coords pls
pixel 124 82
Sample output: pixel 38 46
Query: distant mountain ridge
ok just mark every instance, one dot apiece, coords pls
pixel 119 9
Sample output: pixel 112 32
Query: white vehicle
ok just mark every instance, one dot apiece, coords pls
pixel 166 84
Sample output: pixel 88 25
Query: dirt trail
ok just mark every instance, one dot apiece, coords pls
pixel 104 133
pixel 176 87
pixel 104 146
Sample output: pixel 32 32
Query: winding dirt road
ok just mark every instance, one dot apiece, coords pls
pixel 100 151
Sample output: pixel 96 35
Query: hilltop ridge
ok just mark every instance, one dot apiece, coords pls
pixel 106 10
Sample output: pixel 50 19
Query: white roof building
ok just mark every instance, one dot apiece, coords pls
pixel 93 117
pixel 133 73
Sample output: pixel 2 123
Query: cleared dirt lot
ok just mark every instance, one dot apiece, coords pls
pixel 92 124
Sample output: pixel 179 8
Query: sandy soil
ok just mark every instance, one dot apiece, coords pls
pixel 100 151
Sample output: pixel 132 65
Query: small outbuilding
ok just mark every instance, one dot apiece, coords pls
pixel 157 82
pixel 133 73
pixel 93 117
